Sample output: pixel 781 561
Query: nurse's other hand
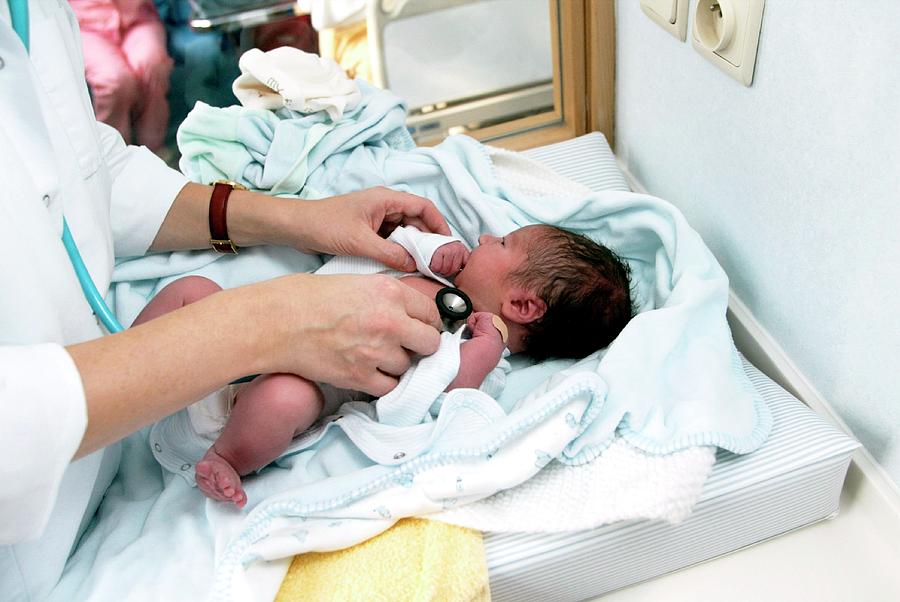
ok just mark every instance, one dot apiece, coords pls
pixel 355 332
pixel 357 224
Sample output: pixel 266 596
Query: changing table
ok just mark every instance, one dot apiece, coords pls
pixel 793 480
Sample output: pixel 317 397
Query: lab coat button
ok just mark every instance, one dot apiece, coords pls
pixel 46 199
pixel 2 63
pixel 399 455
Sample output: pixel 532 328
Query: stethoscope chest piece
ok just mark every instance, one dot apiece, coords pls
pixel 454 307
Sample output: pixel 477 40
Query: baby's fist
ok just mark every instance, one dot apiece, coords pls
pixel 481 324
pixel 449 259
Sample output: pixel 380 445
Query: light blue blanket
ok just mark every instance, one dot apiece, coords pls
pixel 673 373
pixel 671 380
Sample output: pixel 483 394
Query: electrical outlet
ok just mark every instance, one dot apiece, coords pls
pixel 671 15
pixel 726 32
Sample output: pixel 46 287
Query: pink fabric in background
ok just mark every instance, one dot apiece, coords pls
pixel 126 66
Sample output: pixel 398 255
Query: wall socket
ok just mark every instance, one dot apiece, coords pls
pixel 671 15
pixel 726 32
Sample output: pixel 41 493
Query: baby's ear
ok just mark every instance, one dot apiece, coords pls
pixel 522 306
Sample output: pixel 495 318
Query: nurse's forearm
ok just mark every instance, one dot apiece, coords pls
pixel 253 219
pixel 324 328
pixel 144 373
pixel 349 224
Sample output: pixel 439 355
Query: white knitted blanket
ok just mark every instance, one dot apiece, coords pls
pixel 624 483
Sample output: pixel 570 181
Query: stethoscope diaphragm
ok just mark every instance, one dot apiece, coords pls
pixel 453 305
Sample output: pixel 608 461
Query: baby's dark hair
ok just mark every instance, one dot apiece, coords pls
pixel 586 287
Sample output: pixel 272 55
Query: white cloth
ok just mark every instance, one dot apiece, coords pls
pixel 300 81
pixel 624 483
pixel 420 245
pixel 56 160
pixel 334 13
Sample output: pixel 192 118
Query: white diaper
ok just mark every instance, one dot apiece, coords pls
pixel 209 415
pixel 180 440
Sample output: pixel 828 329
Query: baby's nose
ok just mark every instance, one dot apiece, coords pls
pixel 486 238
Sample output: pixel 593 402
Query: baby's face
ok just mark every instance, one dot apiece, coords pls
pixel 485 276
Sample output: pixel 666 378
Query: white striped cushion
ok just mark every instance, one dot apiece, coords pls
pixel 587 159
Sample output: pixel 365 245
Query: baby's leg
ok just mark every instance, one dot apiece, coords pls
pixel 268 412
pixel 175 295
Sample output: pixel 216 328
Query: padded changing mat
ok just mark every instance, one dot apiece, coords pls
pixel 795 479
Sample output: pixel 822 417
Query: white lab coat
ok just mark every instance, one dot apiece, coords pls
pixel 56 159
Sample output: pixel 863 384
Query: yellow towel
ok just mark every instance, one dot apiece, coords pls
pixel 416 560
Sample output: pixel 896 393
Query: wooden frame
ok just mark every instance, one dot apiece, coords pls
pixel 600 49
pixel 583 45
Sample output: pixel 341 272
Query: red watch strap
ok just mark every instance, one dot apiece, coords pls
pixel 218 223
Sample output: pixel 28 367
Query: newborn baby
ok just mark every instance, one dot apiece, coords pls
pixel 559 294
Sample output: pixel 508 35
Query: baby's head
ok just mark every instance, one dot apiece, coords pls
pixel 561 294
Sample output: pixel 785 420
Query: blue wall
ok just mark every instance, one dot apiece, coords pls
pixel 794 183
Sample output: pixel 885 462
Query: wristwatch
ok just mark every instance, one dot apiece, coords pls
pixel 218 222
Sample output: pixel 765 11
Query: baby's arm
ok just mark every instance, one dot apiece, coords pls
pixel 480 355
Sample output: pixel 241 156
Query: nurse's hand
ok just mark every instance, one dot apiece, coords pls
pixel 355 332
pixel 349 224
pixel 357 224
pixel 351 331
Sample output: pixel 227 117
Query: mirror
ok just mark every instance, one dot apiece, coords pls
pixel 463 66
pixel 512 72
pixel 517 73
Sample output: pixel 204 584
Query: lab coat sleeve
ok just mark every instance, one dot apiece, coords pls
pixel 44 418
pixel 143 188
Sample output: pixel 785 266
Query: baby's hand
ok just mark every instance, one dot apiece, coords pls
pixel 481 324
pixel 449 259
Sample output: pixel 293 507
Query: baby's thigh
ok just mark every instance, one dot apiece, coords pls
pixel 290 397
pixel 176 294
pixel 190 289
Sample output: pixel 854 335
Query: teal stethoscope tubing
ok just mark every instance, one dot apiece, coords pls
pixel 18 11
pixel 93 296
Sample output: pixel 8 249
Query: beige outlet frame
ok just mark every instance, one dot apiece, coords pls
pixel 726 33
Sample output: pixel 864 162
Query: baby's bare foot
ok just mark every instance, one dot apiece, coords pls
pixel 218 480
